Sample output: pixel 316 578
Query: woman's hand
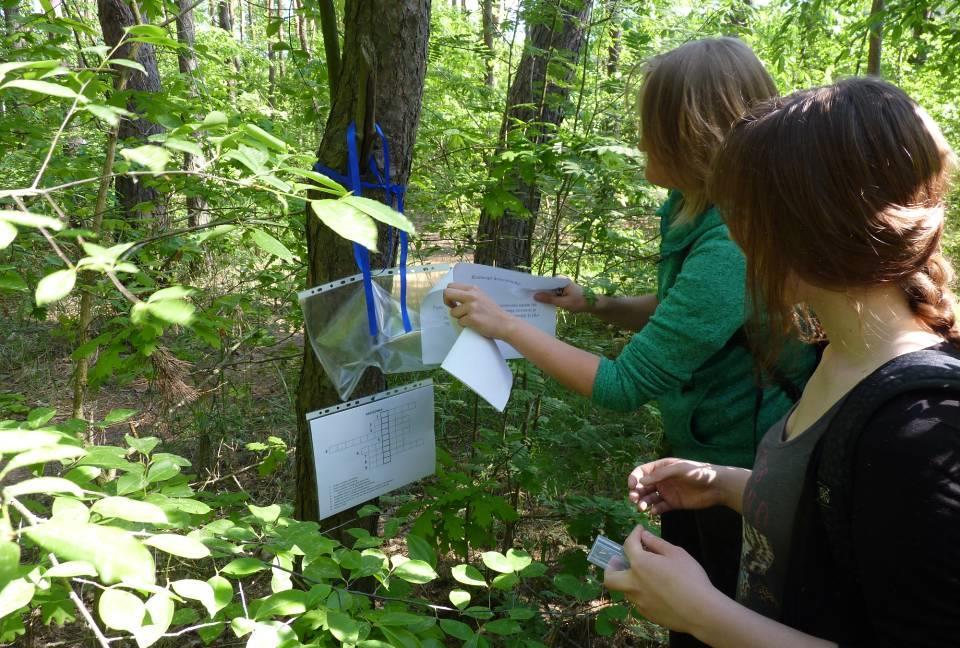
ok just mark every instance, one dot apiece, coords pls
pixel 669 484
pixel 570 298
pixel 665 583
pixel 474 309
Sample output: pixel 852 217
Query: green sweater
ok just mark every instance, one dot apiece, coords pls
pixel 684 359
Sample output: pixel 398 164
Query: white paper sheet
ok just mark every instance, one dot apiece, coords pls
pixel 512 291
pixel 476 361
pixel 371 446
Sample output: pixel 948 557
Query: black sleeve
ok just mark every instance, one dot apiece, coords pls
pixel 906 520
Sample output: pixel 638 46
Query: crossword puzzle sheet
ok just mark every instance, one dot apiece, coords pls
pixel 371 446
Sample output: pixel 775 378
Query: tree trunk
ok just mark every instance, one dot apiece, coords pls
pixel 225 16
pixel 488 29
pixel 554 32
pixel 196 206
pixel 271 56
pixel 302 29
pixel 876 38
pixel 383 68
pixel 616 39
pixel 115 16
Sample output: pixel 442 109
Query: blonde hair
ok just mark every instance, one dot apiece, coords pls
pixel 689 99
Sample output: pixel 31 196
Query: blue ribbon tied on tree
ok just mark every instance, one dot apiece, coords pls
pixel 395 194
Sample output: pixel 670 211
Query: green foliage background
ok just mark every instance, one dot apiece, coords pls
pixel 165 510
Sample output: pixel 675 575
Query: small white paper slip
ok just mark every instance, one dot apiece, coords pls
pixel 477 362
pixel 373 445
pixel 604 550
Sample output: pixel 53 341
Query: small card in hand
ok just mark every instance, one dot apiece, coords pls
pixel 604 550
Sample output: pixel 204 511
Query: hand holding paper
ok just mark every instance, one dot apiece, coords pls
pixel 473 309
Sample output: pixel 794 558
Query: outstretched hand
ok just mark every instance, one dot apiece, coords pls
pixel 665 583
pixel 669 484
pixel 570 298
pixel 474 309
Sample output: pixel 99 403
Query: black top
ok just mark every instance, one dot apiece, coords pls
pixel 906 520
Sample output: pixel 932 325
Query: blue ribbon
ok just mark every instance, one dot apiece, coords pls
pixel 395 195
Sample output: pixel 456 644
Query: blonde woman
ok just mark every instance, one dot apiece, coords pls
pixel 837 196
pixel 688 353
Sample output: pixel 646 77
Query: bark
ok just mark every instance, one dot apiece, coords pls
pixel 616 39
pixel 302 29
pixel 488 31
pixel 115 16
pixel 186 58
pixel 383 68
pixel 225 16
pixel 331 44
pixel 875 38
pixel 271 56
pixel 11 20
pixel 554 32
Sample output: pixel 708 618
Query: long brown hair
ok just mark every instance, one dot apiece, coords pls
pixel 842 186
pixel 689 98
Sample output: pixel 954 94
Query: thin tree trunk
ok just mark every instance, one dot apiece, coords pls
pixel 616 39
pixel 271 56
pixel 331 44
pixel 115 16
pixel 534 99
pixel 196 206
pixel 384 65
pixel 876 38
pixel 488 29
pixel 302 29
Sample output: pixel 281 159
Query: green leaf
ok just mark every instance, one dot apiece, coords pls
pixel 15 595
pixel 116 554
pixel 42 87
pixel 43 485
pixel 343 627
pixel 143 445
pixel 109 114
pixel 381 212
pixel 497 562
pixel 40 416
pixel 505 581
pixel 178 545
pixel 71 569
pixel 44 455
pixel 460 598
pixel 502 627
pixel 151 31
pixel 243 567
pixel 127 63
pixel 222 592
pixel 121 610
pixel 456 629
pixel 214 118
pixel 197 590
pixel 55 286
pixel 323 182
pixel 160 610
pixel 128 509
pixel 421 549
pixel 288 603
pixel 184 146
pixel 10 280
pixel 272 634
pixel 153 157
pixel 273 27
pixel 264 137
pixel 29 219
pixel 173 292
pixel 19 440
pixel 468 575
pixel 518 559
pixel 347 222
pixel 172 311
pixel 266 514
pixel 7 233
pixel 9 561
pixel 67 509
pixel 415 571
pixel 271 245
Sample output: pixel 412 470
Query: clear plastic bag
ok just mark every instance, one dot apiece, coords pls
pixel 336 320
